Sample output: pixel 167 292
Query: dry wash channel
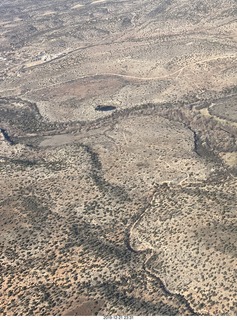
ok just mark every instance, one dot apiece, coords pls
pixel 70 206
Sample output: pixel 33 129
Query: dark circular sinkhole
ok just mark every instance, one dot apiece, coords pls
pixel 105 108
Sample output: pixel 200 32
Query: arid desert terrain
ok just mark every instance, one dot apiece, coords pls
pixel 118 157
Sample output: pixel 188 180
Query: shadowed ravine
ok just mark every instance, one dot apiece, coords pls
pixel 118 164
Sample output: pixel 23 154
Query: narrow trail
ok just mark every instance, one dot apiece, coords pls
pixel 132 77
